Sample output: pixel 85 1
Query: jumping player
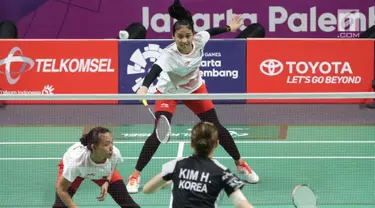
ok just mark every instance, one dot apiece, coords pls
pixel 199 179
pixel 94 158
pixel 178 70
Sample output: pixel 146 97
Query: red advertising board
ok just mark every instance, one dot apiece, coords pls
pixel 59 67
pixel 308 65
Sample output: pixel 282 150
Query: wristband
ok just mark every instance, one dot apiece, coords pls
pixel 229 28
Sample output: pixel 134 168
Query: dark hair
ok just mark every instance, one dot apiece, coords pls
pixel 8 30
pixel 182 15
pixel 93 137
pixel 203 138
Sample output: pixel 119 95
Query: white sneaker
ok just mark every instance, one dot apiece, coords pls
pixel 133 183
pixel 250 175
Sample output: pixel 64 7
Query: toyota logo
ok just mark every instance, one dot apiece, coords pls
pixel 271 67
pixel 9 60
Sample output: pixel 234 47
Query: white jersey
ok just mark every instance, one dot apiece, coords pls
pixel 181 73
pixel 78 163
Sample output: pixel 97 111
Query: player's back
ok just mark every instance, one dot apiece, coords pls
pixel 198 181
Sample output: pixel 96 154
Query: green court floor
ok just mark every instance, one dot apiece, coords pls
pixel 337 161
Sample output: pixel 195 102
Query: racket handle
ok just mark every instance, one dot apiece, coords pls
pixel 145 103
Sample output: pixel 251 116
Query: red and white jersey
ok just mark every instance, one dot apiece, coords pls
pixel 78 163
pixel 181 73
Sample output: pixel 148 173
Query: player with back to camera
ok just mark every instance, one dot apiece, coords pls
pixel 94 158
pixel 199 179
pixel 178 70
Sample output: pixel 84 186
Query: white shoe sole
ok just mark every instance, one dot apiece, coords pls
pixel 132 191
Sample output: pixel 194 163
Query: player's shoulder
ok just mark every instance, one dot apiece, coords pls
pixel 76 148
pixel 201 38
pixel 219 165
pixel 169 50
pixel 167 56
pixel 75 153
pixel 116 155
pixel 202 34
pixel 116 150
pixel 172 163
pixel 169 166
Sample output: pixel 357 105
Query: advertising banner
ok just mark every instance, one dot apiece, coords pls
pixel 288 66
pixel 59 67
pixel 222 68
pixel 104 18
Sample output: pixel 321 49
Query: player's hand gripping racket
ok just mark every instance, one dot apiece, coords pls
pixel 162 126
pixel 304 197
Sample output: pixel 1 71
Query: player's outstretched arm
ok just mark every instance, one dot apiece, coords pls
pixel 236 23
pixel 62 192
pixel 150 78
pixel 239 200
pixel 154 184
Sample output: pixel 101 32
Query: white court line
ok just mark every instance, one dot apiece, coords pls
pixel 180 152
pixel 171 158
pixel 188 141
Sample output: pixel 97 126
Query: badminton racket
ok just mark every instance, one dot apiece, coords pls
pixel 162 125
pixel 304 197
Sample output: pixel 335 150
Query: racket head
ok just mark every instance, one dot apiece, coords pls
pixel 163 129
pixel 304 197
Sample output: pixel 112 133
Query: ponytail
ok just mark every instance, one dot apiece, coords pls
pixel 203 147
pixel 182 15
pixel 84 140
pixel 93 137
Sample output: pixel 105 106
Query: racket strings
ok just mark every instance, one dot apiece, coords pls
pixel 163 129
pixel 304 197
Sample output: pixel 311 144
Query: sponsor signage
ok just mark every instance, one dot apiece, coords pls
pixel 308 65
pixel 222 68
pixel 59 67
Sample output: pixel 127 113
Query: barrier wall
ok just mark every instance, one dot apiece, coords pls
pixel 228 66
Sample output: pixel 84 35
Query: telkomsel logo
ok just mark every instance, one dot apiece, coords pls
pixel 13 76
pixel 52 65
pixel 311 72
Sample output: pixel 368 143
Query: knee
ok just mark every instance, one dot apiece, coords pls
pixel 153 140
pixel 210 116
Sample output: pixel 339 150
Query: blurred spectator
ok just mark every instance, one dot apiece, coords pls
pixel 133 31
pixel 8 30
pixel 254 30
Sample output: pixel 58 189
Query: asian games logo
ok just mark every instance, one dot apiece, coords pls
pixel 141 64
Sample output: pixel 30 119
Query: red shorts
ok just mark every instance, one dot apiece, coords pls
pixel 197 106
pixel 77 182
